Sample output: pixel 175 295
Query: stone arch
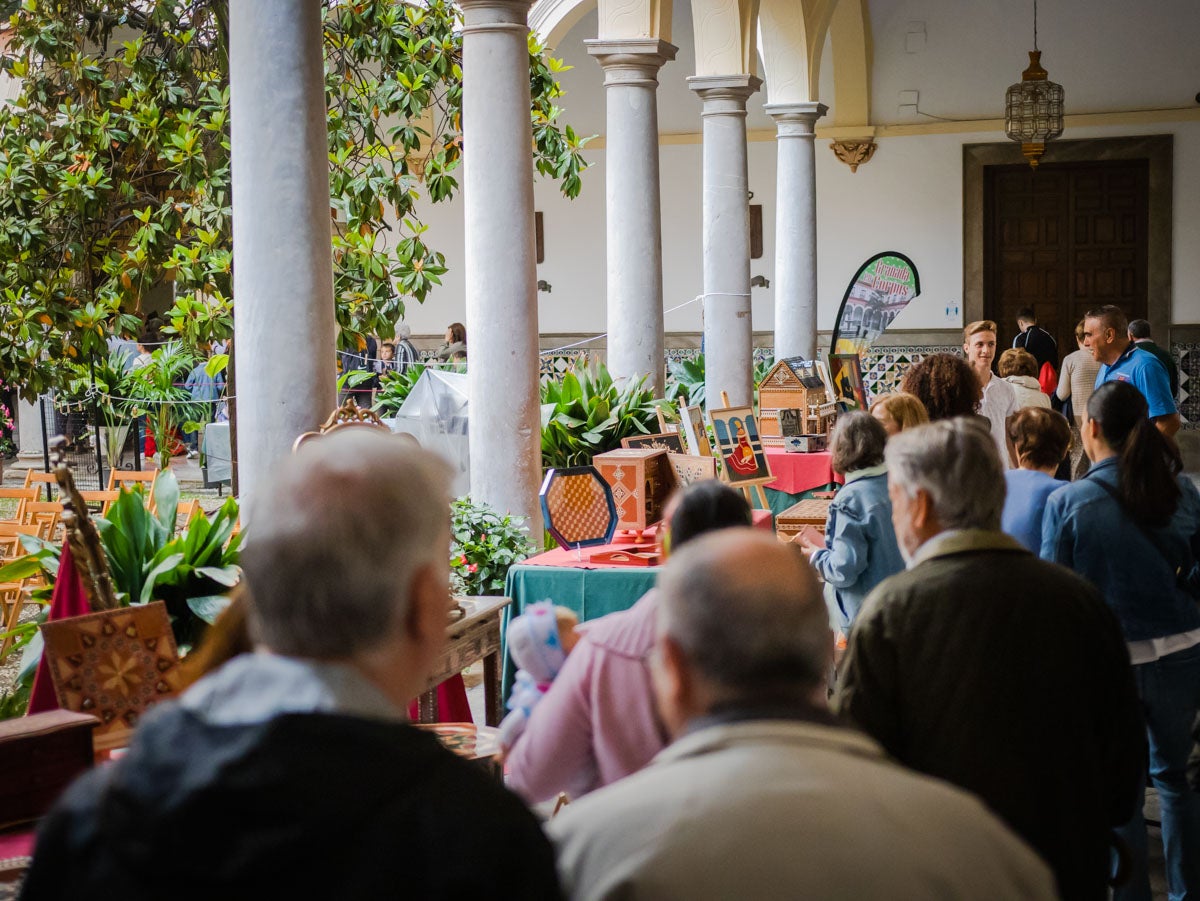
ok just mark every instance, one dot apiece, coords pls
pixel 792 36
pixel 551 20
pixel 850 36
pixel 725 34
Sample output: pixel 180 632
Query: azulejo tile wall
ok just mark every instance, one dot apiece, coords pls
pixel 1187 357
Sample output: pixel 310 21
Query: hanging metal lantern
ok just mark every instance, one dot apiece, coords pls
pixel 1033 108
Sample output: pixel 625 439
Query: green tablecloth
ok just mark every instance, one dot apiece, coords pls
pixel 591 593
pixel 779 501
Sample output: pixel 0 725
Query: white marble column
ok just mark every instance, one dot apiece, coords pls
pixel 728 333
pixel 796 229
pixel 29 429
pixel 500 259
pixel 283 267
pixel 634 220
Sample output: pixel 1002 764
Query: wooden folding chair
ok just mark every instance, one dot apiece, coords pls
pixel 127 478
pixel 100 500
pixel 12 602
pixel 10 539
pixel 36 479
pixel 185 515
pixel 21 496
pixel 45 513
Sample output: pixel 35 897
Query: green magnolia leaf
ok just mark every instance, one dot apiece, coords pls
pixel 209 607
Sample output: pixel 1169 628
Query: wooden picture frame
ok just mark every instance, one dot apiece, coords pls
pixel 846 375
pixel 665 425
pixel 671 442
pixel 692 421
pixel 691 468
pixel 739 444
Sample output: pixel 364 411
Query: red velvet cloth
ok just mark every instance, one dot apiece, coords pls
pixel 452 702
pixel 797 473
pixel 67 600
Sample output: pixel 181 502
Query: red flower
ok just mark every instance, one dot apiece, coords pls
pixel 472 568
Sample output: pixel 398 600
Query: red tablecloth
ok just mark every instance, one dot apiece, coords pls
pixel 796 473
pixel 579 559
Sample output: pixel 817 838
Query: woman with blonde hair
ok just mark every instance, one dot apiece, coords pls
pixel 899 411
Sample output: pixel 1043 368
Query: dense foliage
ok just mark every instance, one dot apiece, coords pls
pixel 587 413
pixel 115 166
pixel 483 545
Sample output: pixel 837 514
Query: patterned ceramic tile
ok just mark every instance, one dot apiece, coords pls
pixel 1187 357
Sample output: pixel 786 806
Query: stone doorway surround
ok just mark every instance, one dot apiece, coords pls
pixel 1157 149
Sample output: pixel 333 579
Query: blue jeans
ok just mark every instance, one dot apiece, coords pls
pixel 1170 693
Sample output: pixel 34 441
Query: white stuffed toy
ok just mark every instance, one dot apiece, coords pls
pixel 538 641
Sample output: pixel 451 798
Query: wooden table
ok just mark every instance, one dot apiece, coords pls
pixel 474 637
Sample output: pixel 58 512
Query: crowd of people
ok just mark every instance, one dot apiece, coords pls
pixel 1022 658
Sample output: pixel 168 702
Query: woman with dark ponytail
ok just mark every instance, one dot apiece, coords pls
pixel 1130 526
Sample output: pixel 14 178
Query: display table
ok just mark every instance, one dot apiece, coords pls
pixel 474 637
pixel 797 476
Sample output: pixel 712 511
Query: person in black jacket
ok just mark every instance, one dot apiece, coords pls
pixel 291 772
pixel 996 671
pixel 1036 339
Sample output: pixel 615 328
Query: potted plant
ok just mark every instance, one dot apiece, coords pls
pixel 158 388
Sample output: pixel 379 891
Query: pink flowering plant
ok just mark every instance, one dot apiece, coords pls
pixel 483 545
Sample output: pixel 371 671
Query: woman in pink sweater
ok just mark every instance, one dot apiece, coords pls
pixel 597 723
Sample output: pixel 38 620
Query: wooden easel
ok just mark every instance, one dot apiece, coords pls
pixel 757 499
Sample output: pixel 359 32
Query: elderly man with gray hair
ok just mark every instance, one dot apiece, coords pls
pixel 992 669
pixel 762 795
pixel 291 772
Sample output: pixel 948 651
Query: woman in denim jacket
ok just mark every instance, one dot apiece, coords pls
pixel 1129 526
pixel 860 545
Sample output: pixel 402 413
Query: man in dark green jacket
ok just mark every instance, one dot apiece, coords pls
pixel 994 670
pixel 1139 334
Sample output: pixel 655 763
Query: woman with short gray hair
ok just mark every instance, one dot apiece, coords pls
pixel 860 549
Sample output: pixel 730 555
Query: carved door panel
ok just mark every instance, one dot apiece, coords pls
pixel 1065 239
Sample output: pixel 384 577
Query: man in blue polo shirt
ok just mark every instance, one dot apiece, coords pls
pixel 1106 335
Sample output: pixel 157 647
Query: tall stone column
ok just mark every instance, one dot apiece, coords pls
pixel 635 309
pixel 728 333
pixel 283 267
pixel 29 429
pixel 796 229
pixel 500 259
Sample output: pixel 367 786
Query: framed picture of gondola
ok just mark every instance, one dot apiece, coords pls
pixel 739 446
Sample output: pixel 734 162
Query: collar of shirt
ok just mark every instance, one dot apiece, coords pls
pixel 956 541
pixel 866 473
pixel 254 688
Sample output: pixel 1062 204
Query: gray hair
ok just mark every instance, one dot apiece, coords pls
pixel 956 462
pixel 347 523
pixel 747 612
pixel 403 331
pixel 858 442
pixel 1139 328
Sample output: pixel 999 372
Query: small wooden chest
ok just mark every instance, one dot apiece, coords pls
pixel 41 755
pixel 811 512
pixel 641 480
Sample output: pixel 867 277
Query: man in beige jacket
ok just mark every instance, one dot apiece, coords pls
pixel 762 794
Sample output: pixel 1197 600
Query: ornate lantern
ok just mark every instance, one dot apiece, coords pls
pixel 1033 109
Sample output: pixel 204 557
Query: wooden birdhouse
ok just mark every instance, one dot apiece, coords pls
pixel 792 401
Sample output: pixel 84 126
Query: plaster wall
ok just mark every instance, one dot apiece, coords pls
pixel 909 197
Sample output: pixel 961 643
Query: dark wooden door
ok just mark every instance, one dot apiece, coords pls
pixel 1064 239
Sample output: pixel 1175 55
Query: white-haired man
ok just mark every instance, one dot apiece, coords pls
pixel 290 772
pixel 762 795
pixel 992 669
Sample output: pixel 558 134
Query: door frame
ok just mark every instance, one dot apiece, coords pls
pixel 1157 149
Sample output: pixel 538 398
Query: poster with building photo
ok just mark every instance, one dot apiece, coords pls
pixel 880 290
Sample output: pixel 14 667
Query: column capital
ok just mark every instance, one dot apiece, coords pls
pixel 495 15
pixel 796 120
pixel 724 94
pixel 631 61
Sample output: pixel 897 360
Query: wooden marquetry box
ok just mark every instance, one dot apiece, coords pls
pixel 41 755
pixel 812 512
pixel 641 480
pixel 789 395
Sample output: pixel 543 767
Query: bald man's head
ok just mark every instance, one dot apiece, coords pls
pixel 747 614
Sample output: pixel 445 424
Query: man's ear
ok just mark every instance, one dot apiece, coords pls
pixel 428 605
pixel 922 507
pixel 674 685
